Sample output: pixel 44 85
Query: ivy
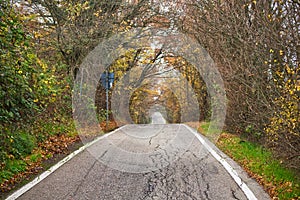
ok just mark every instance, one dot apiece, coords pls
pixel 27 84
pixel 16 69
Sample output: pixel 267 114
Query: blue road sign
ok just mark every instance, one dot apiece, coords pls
pixel 107 80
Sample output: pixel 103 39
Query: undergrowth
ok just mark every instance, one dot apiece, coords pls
pixel 279 181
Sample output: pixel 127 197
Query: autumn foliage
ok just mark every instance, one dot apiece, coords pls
pixel 254 44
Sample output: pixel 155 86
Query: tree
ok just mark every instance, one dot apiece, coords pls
pixel 253 44
pixel 81 25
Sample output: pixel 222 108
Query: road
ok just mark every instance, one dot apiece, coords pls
pixel 157 118
pixel 157 161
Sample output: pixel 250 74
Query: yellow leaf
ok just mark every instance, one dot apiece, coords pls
pixel 281 52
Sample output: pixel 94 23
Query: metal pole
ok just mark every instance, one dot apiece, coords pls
pixel 107 85
pixel 81 80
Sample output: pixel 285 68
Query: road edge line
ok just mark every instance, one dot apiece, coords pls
pixel 52 169
pixel 247 191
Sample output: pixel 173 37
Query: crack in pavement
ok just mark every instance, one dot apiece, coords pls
pixel 83 179
pixel 234 195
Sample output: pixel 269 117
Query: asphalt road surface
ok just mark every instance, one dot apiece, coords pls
pixel 157 118
pixel 157 161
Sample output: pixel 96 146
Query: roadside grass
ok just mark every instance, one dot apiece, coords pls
pixel 29 146
pixel 11 168
pixel 279 181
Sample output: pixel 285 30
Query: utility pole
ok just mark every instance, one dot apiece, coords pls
pixel 107 88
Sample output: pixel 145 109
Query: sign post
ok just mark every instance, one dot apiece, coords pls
pixel 107 80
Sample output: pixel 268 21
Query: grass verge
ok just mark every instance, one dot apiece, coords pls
pixel 279 181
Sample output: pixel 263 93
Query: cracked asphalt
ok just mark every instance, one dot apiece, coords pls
pixel 157 161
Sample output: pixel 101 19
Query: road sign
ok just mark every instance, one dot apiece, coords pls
pixel 107 79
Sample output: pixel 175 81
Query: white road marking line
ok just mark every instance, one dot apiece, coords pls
pixel 247 191
pixel 41 177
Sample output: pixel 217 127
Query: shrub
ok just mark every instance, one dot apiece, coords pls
pixel 284 129
pixel 23 143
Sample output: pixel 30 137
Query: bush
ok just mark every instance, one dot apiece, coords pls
pixel 16 67
pixel 284 129
pixel 27 84
pixel 23 143
pixel 15 145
